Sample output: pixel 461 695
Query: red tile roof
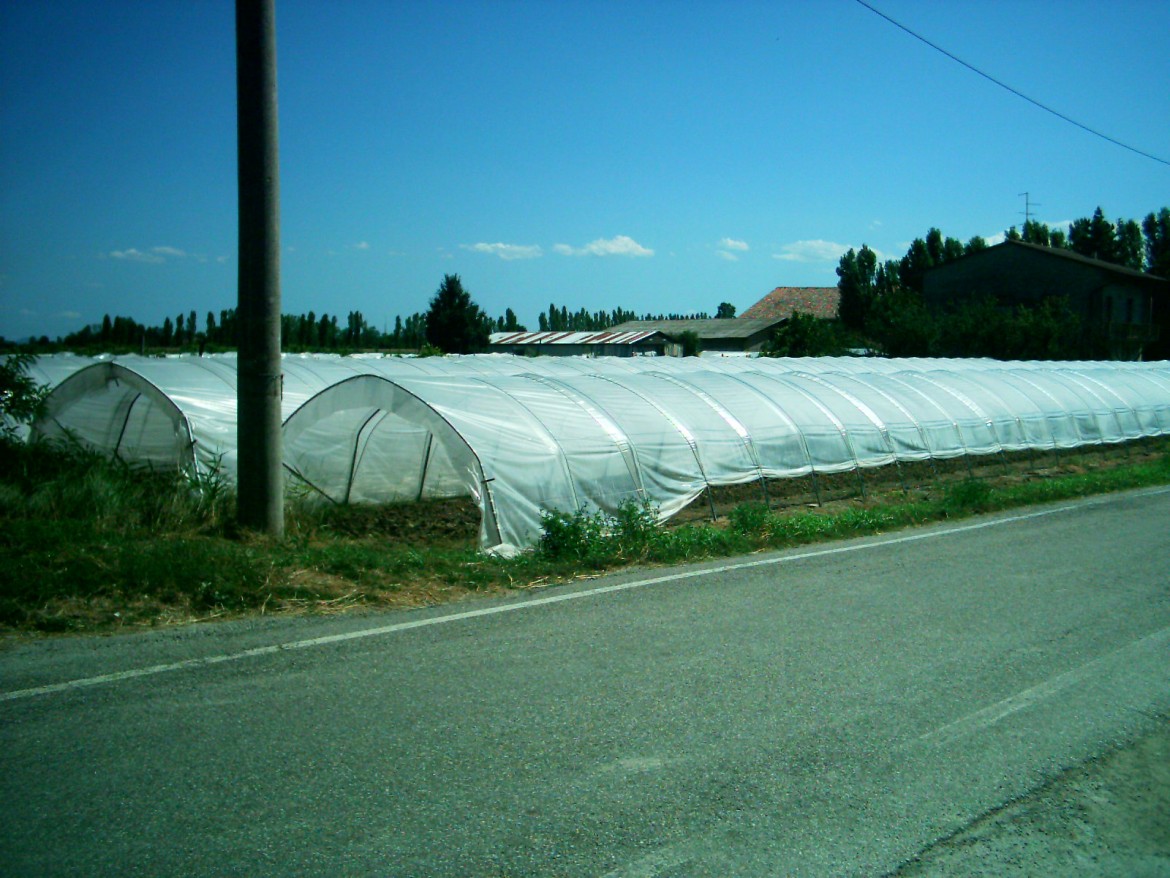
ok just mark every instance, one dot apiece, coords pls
pixel 783 301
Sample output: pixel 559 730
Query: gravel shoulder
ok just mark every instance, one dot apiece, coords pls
pixel 1108 817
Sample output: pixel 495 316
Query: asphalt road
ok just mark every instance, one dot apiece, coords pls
pixel 829 711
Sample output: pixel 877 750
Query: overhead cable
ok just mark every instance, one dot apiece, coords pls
pixel 1014 91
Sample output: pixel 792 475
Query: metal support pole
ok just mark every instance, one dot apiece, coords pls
pixel 259 381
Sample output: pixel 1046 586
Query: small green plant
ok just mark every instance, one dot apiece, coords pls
pixel 749 518
pixel 634 528
pixel 600 540
pixel 967 497
pixel 575 537
pixel 21 398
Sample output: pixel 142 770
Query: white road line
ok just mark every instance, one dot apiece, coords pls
pixel 527 604
pixel 993 713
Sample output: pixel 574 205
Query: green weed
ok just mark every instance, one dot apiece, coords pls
pixel 967 497
pixel 89 544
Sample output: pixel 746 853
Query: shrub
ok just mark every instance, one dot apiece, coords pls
pixel 749 518
pixel 21 398
pixel 597 539
pixel 573 537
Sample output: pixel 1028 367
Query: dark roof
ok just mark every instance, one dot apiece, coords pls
pixel 783 302
pixel 1061 253
pixel 717 327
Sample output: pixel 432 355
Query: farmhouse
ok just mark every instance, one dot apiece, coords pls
pixel 1130 307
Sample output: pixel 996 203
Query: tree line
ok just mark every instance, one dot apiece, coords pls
pixel 881 310
pixel 453 323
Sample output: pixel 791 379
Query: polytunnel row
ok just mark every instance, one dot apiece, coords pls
pixel 523 436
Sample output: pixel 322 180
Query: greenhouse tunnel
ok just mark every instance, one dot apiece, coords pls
pixel 523 437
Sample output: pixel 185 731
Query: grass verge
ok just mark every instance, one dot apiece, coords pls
pixel 87 545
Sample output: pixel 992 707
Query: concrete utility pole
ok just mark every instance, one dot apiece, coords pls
pixel 258 387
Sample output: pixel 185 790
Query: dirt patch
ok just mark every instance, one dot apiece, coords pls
pixel 1108 817
pixel 453 520
pixel 898 483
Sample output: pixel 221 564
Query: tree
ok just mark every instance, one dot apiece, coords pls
pixel 900 326
pixel 914 265
pixel 1156 229
pixel 803 335
pixel 511 324
pixel 856 271
pixel 454 323
pixel 1130 246
pixel 1095 238
pixel 690 341
pixel 1036 233
pixel 725 310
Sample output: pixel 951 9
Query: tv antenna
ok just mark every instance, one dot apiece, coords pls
pixel 1028 205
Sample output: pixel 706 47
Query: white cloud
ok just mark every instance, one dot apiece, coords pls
pixel 136 255
pixel 69 315
pixel 811 251
pixel 728 255
pixel 154 256
pixel 733 244
pixel 621 245
pixel 506 251
pixel 361 245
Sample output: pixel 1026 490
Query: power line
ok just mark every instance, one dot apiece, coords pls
pixel 1014 91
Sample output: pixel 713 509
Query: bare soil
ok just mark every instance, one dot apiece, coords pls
pixel 909 481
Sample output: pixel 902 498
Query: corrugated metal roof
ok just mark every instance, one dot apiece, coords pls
pixel 607 336
pixel 730 327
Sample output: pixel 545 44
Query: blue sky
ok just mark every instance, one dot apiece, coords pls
pixel 658 156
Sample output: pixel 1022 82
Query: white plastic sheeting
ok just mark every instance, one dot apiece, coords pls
pixel 45 372
pixel 526 435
